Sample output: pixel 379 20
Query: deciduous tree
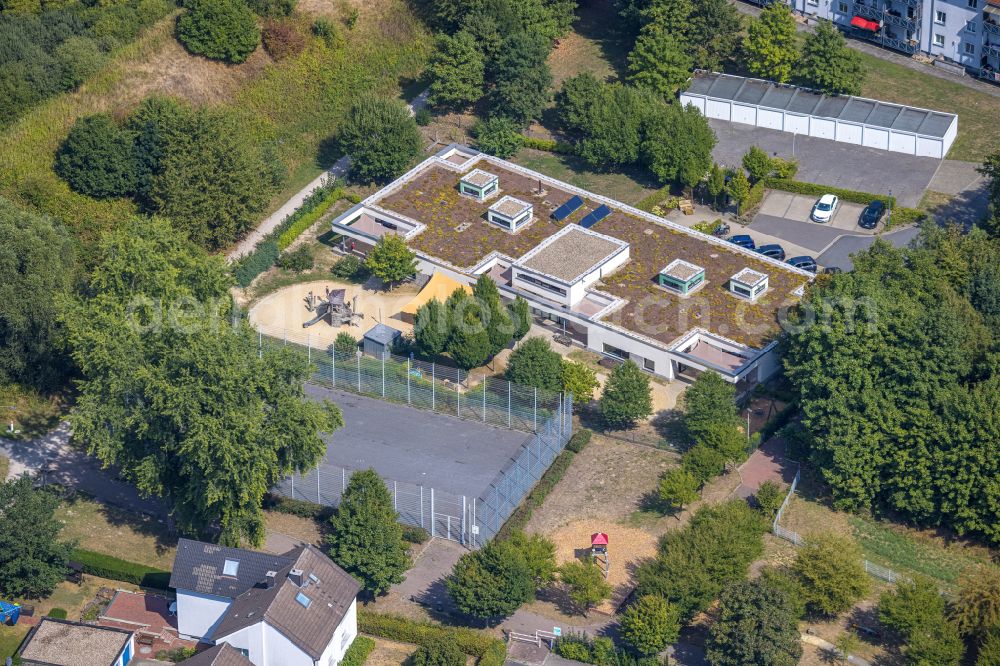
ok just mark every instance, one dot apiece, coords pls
pixel 977 606
pixel 738 187
pixel 756 627
pixel 911 604
pixel 832 573
pixel 522 79
pixel 650 625
pixel 202 417
pixel 678 145
pixel 381 137
pixel 713 34
pixel 218 29
pixel 534 363
pixel 829 64
pixel 757 163
pixel 708 402
pixel 539 554
pixel 677 488
pixel 626 397
pixel 366 539
pixel 391 260
pixel 770 45
pixel 769 497
pixel 585 584
pixel 457 70
pixel 491 582
pixel 32 560
pixel 659 61
pixel 498 136
pixel 580 380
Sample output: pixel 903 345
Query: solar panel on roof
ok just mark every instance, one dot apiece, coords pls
pixel 595 216
pixel 567 209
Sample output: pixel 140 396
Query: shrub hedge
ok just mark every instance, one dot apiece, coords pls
pixel 417 535
pixel 549 145
pixel 357 654
pixel 901 217
pixel 799 187
pixel 57 613
pixel 319 512
pixel 654 199
pixel 489 651
pixel 553 475
pixel 259 260
pixel 750 205
pixel 579 440
pixel 106 566
pixel 306 215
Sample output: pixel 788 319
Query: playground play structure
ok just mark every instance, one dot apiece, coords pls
pixel 9 612
pixel 599 551
pixel 333 308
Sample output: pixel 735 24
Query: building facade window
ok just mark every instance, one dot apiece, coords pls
pixel 970 26
pixel 648 365
pixel 970 49
pixel 973 4
pixel 938 40
pixel 842 7
pixel 611 350
pixel 940 17
pixel 541 283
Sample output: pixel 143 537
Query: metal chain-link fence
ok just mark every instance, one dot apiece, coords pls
pixel 469 520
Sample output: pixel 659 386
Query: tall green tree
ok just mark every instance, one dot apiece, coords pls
pixel 520 315
pixel 938 644
pixel 522 78
pixel 97 158
pixel 991 169
pixel 366 539
pixel 659 61
pixel 614 127
pixel 910 605
pixel 491 582
pixel 709 401
pixel 713 34
pixel 832 573
pixel 534 363
pixel 432 328
pixel 469 344
pixel 32 559
pixel 391 260
pixel 201 416
pixel 758 164
pixel 580 380
pixel 770 45
pixel 585 584
pixel 650 625
pixel 829 64
pixel 381 138
pixel 218 29
pixel 37 267
pixel 539 554
pixel 678 145
pixel 498 136
pixel 677 488
pixel 457 71
pixel 626 397
pixel 499 327
pixel 738 187
pixel 976 609
pixel 576 100
pixel 716 184
pixel 756 627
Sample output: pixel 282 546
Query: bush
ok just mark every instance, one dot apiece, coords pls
pixel 416 535
pixel 357 654
pixel 439 651
pixel 251 265
pixel 272 8
pixel 900 217
pixel 757 163
pixel 345 344
pixel 294 507
pixel 579 440
pixel 575 647
pixel 489 650
pixel 749 206
pixel 328 31
pixel 650 625
pixel 97 158
pixel 783 168
pixel 105 566
pixel 350 268
pixel 57 613
pixel 381 137
pixel 177 655
pixel 769 498
pixel 799 187
pixel 423 116
pixel 548 145
pixel 832 573
pixel 218 29
pixel 498 136
pixel 282 39
pixel 298 260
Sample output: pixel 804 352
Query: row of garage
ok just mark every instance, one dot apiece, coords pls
pixel 843 118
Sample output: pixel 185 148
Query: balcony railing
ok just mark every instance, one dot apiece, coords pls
pixel 990 75
pixel 901 21
pixel 992 49
pixel 908 47
pixel 991 28
pixel 868 12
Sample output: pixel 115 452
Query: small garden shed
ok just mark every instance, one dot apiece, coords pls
pixel 379 340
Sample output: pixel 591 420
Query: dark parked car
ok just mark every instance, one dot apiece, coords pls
pixel 832 270
pixel 743 240
pixel 871 215
pixel 804 262
pixel 721 230
pixel 772 250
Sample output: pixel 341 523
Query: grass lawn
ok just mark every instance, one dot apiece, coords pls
pixel 592 46
pixel 977 112
pixel 10 639
pixel 4 468
pixel 628 187
pixel 34 414
pixel 112 531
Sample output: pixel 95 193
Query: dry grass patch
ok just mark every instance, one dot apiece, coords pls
pixel 306 530
pixel 390 653
pixel 112 531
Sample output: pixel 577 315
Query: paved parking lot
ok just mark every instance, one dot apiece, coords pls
pixel 831 163
pixel 786 217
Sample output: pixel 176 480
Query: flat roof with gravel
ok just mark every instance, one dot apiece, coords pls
pixel 681 270
pixel 749 277
pixel 64 643
pixel 479 178
pixel 571 254
pixel 510 207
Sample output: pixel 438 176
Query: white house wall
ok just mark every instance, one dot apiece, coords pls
pixel 346 632
pixel 949 137
pixel 198 614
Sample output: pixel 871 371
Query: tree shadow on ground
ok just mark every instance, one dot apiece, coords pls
pixel 164 537
pixel 669 424
pixel 596 21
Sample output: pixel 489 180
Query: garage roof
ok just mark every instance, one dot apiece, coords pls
pixel 809 102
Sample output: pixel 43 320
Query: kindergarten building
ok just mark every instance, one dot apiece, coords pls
pixel 612 278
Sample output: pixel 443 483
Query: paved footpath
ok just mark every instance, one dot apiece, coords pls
pixel 61 463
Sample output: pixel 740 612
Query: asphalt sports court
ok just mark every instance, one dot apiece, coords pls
pixel 449 454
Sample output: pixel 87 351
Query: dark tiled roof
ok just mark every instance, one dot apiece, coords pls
pixel 199 567
pixel 329 589
pixel 221 655
pixel 382 334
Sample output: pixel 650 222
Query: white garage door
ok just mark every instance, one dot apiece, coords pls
pixel 696 102
pixel 876 138
pixel 849 133
pixel 770 119
pixel 744 114
pixel 903 143
pixel 823 128
pixel 716 109
pixel 796 124
pixel 929 147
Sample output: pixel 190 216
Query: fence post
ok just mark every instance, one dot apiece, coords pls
pixel 509 407
pixel 333 366
pixel 432 512
pixel 293 485
pixel 408 380
pixel 464 537
pixel 358 355
pixel 421 507
pixel 309 351
pixel 383 373
pixel 433 395
pixel 260 345
pixel 535 411
pixel 343 480
pixel 458 393
pixel 485 379
pixel 317 487
pixel 394 493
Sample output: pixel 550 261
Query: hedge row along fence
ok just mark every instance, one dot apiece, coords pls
pixel 901 216
pixel 267 251
pixel 487 650
pixel 548 145
pixel 553 475
pixel 358 653
pixel 322 513
pixel 106 566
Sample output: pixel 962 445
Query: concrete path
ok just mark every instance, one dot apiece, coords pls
pixel 892 56
pixel 58 462
pixel 338 170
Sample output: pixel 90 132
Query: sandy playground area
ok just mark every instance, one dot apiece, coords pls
pixel 285 310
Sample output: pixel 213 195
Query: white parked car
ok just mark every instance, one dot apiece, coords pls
pixel 824 208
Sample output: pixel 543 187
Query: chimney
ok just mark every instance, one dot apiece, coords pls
pixel 269 579
pixel 295 576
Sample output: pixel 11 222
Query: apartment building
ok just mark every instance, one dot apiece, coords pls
pixel 963 33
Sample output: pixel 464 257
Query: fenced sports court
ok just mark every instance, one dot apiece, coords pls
pixel 454 507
